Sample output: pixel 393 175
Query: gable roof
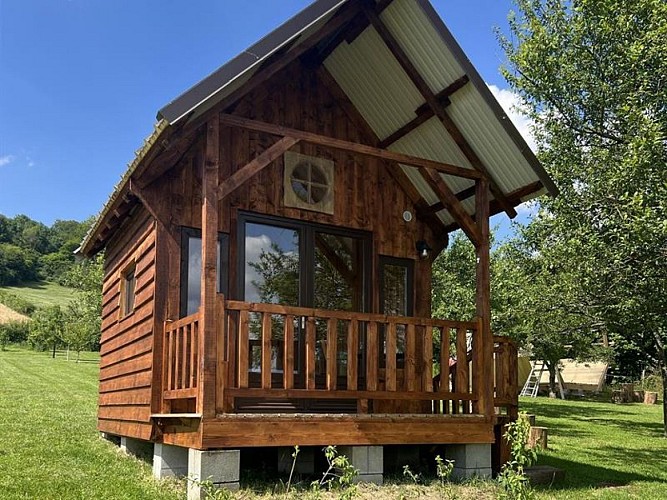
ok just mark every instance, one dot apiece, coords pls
pixel 385 92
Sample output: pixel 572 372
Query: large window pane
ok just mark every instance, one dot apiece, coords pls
pixel 271 264
pixel 337 274
pixel 191 269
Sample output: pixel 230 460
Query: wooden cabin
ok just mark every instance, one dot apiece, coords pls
pixel 268 252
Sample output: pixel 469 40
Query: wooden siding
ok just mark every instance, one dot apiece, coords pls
pixel 127 342
pixel 366 195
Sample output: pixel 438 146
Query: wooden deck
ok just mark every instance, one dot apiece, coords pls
pixel 361 378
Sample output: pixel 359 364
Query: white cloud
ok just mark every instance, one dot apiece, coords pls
pixel 6 160
pixel 511 103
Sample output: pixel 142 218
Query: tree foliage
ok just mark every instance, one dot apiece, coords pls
pixel 30 251
pixel 592 76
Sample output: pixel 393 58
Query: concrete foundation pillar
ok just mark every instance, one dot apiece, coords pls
pixel 219 467
pixel 305 461
pixel 169 461
pixel 368 460
pixel 137 447
pixel 470 460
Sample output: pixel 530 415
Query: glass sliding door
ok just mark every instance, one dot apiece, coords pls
pixel 297 263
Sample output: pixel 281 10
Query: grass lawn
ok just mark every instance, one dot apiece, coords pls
pixel 42 293
pixel 50 449
pixel 607 450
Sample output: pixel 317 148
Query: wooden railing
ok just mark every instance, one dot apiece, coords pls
pixel 506 396
pixel 282 352
pixel 181 358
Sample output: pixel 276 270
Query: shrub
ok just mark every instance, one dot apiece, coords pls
pixel 13 332
pixel 16 303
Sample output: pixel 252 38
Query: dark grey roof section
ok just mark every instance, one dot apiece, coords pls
pixel 213 83
pixel 476 80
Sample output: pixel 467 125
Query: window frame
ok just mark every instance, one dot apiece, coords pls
pixel 128 289
pixel 222 271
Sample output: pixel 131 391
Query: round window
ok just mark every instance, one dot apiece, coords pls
pixel 309 182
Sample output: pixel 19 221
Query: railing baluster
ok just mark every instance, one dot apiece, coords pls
pixel 266 351
pixel 170 361
pixel 372 356
pixel 193 358
pixel 244 323
pixel 390 361
pixel 352 353
pixel 184 354
pixel 310 353
pixel 177 357
pixel 427 384
pixel 462 382
pixel 288 349
pixel 444 365
pixel 410 358
pixel 332 353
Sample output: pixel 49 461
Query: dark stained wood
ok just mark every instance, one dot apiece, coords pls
pixel 435 105
pixel 483 296
pixel 268 430
pixel 390 362
pixel 372 354
pixel 448 199
pixel 342 100
pixel 462 372
pixel 288 362
pixel 310 353
pixel 206 404
pixel 255 166
pixel 351 147
pixel 332 353
pixel 242 333
pixel 352 355
pixel 427 359
pixel 266 351
pixel 425 113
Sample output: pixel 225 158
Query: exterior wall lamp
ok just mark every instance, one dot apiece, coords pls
pixel 423 249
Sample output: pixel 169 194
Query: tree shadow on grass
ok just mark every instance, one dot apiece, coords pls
pixel 586 475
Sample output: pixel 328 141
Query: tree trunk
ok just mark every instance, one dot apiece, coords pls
pixel 54 350
pixel 662 365
pixel 552 378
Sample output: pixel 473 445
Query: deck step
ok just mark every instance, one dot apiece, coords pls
pixel 176 415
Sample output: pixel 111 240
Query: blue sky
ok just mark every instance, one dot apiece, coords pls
pixel 81 82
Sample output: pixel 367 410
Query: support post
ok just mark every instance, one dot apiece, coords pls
pixel 206 404
pixel 485 390
pixel 219 467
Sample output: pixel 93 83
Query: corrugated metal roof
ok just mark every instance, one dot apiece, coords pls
pixel 385 96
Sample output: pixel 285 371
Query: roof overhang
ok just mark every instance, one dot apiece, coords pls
pixel 389 86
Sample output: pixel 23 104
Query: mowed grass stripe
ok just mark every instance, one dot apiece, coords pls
pixel 49 446
pixel 43 293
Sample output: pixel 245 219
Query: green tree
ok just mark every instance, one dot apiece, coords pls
pixel 86 311
pixel 592 75
pixel 47 328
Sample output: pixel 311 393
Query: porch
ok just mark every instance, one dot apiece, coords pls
pixel 271 371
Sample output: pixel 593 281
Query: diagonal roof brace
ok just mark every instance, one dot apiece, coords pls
pixel 434 103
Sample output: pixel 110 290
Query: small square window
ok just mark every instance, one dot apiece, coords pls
pixel 127 288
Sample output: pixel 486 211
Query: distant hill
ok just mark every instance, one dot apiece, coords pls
pixel 42 293
pixel 7 315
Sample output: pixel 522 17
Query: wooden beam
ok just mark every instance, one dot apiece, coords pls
pixel 395 171
pixel 435 105
pixel 461 196
pixel 425 112
pixel 448 199
pixel 515 198
pixel 206 404
pixel 350 147
pixel 483 299
pixel 255 166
